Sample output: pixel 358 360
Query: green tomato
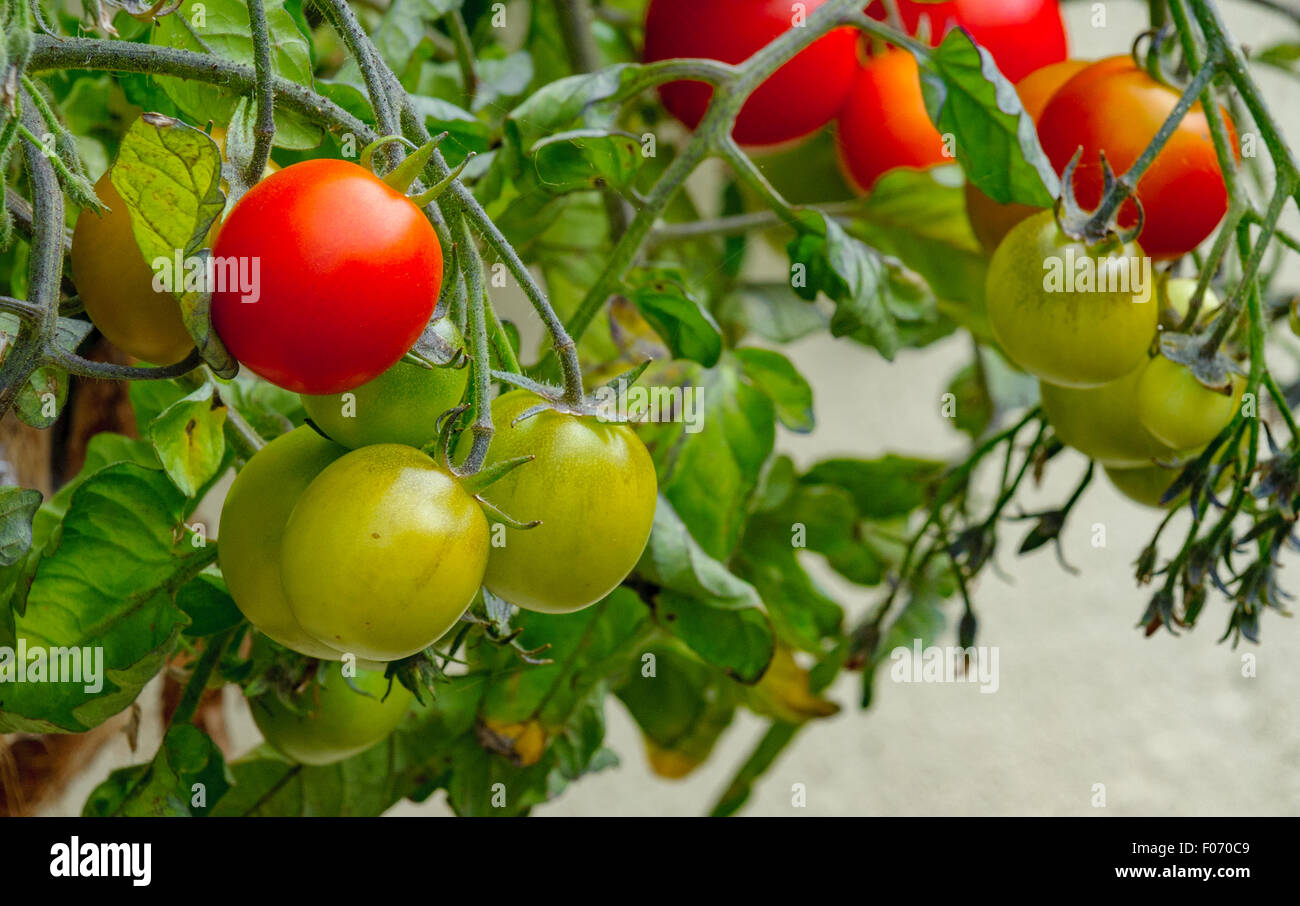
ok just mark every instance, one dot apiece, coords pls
pixel 1102 422
pixel 592 485
pixel 383 553
pixel 1145 484
pixel 251 531
pixel 1176 299
pixel 329 720
pixel 1181 411
pixel 401 406
pixel 1053 322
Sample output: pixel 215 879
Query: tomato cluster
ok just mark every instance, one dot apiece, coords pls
pixel 1102 390
pixel 378 550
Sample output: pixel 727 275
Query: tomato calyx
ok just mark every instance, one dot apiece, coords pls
pixel 439 346
pixel 404 175
pixel 1201 355
pixel 475 482
pixel 603 402
pixel 1099 226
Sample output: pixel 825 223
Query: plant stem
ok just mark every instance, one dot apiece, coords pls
pixel 198 681
pixel 464 53
pixel 264 96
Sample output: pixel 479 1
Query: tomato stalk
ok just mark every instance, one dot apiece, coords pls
pixel 263 96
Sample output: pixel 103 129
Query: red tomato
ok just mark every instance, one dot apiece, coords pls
pixel 1022 35
pixel 799 98
pixel 1114 106
pixel 883 124
pixel 348 271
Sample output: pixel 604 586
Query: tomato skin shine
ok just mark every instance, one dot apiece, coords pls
pixel 1055 324
pixel 1021 35
pixel 1116 107
pixel 593 486
pixel 383 553
pixel 251 533
pixel 347 273
pixel 799 98
pixel 883 124
pixel 329 720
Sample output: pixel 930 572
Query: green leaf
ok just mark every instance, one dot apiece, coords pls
pixel 717 614
pixel 207 603
pixel 825 258
pixel 881 488
pixel 687 328
pixel 41 397
pixel 17 509
pixel 106 587
pixel 186 778
pixel 584 648
pixel 589 99
pixel 169 176
pixel 997 142
pixel 709 467
pixel 772 311
pixel 920 218
pixel 772 373
pixel 682 707
pixel 221 27
pixel 189 440
pixel 586 159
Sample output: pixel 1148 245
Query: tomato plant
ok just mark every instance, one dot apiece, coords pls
pixel 333 717
pixel 1055 326
pixel 332 308
pixel 636 437
pixel 799 98
pixel 1114 107
pixel 383 553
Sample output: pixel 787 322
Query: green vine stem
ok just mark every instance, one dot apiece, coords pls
pixel 264 97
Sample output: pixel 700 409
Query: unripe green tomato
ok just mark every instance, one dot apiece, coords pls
pixel 383 553
pixel 249 537
pixel 1102 422
pixel 593 486
pixel 401 406
pixel 1058 327
pixel 1176 298
pixel 1145 484
pixel 1181 411
pixel 331 721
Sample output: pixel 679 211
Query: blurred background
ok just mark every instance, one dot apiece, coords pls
pixel 1166 726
